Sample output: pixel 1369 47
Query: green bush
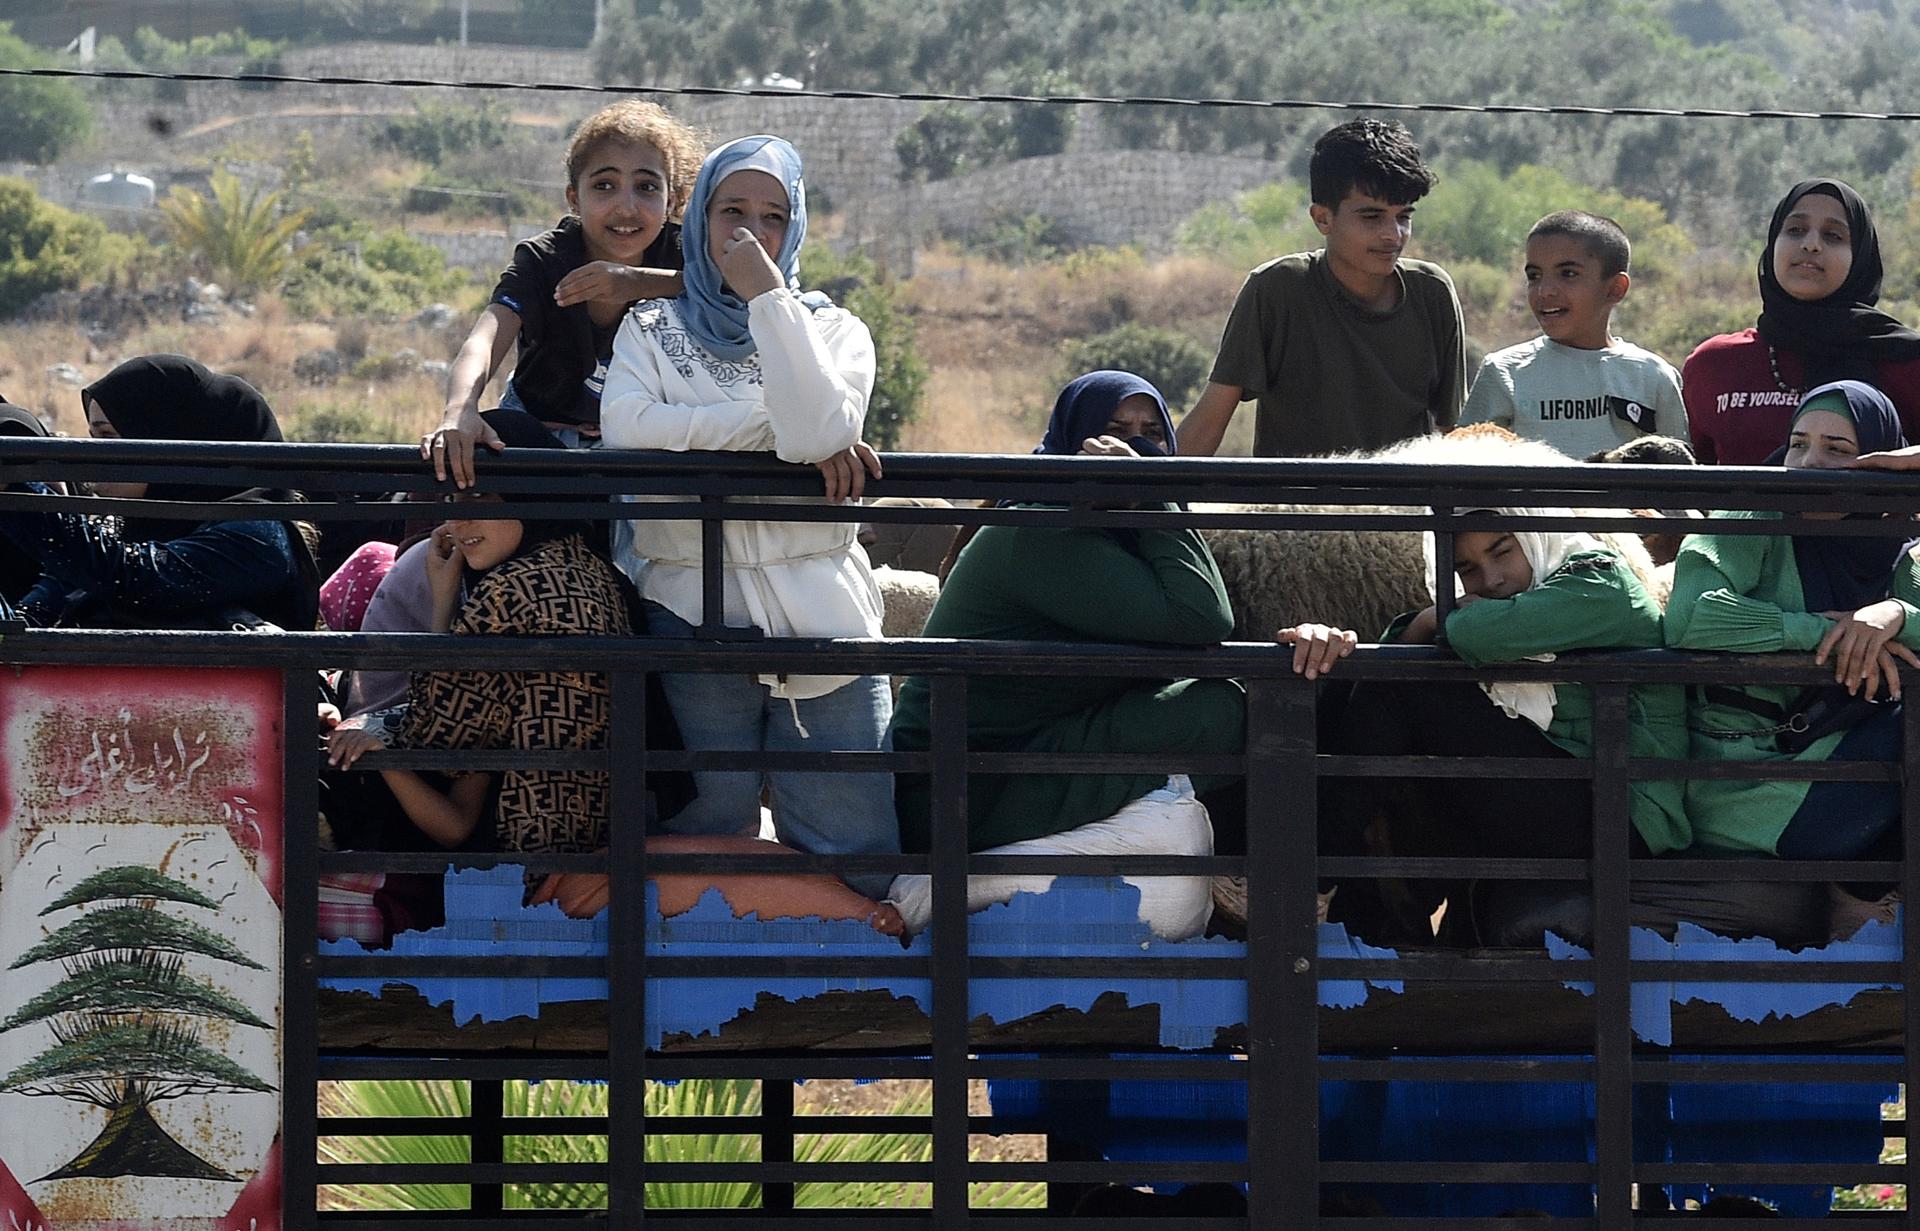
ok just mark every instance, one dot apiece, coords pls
pixel 349 270
pixel 45 248
pixel 900 375
pixel 45 116
pixel 151 49
pixel 1026 239
pixel 238 235
pixel 338 423
pixel 1174 362
pixel 436 131
pixel 1253 228
pixel 1477 213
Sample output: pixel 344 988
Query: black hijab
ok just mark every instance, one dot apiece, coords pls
pixel 19 421
pixel 1846 574
pixel 1086 405
pixel 1843 337
pixel 172 397
pixel 19 568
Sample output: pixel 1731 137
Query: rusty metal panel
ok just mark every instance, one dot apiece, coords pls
pixel 140 924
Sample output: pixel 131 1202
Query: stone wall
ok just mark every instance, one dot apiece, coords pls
pixel 485 253
pixel 1091 194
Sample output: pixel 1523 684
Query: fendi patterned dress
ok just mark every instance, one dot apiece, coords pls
pixel 557 588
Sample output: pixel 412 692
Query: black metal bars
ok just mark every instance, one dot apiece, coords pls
pixel 1282 1068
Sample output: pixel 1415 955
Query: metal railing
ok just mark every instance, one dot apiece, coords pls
pixel 1279 1060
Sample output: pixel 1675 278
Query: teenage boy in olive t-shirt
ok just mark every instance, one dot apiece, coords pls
pixel 1353 346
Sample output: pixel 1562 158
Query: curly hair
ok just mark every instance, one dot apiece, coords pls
pixel 1375 157
pixel 634 121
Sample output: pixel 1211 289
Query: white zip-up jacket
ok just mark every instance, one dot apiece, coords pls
pixel 803 396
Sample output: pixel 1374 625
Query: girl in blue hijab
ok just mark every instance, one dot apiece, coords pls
pixel 714 312
pixel 743 360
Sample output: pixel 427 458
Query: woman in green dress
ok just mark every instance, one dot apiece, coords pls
pixel 1848 601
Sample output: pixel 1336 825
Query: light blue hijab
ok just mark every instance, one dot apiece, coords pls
pixel 715 316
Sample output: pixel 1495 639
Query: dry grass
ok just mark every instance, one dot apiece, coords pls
pixel 993 335
pixel 260 349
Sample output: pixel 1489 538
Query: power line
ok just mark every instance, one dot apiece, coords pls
pixel 936 96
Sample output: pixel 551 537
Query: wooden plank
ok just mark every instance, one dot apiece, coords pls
pixel 1427 1019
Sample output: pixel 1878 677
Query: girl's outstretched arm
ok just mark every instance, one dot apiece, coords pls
pixel 614 283
pixel 448 817
pixel 450 446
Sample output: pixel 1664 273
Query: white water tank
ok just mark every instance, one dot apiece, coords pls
pixel 123 189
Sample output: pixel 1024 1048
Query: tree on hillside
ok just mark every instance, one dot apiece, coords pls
pixel 45 116
pixel 1718 176
pixel 126 1021
pixel 45 248
pixel 824 43
pixel 380 17
pixel 239 235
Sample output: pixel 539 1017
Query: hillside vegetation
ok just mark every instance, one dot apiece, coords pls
pixel 980 328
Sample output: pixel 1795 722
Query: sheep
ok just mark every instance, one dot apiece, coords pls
pixel 907 598
pixel 1362 579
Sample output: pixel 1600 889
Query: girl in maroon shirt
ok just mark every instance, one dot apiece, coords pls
pixel 1819 281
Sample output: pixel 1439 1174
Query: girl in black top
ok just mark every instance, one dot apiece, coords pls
pixel 630 167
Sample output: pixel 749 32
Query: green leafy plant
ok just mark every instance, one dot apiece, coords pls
pixel 239 236
pixel 1025 239
pixel 45 116
pixel 45 248
pixel 350 270
pixel 1174 362
pixel 686 1098
pixel 900 375
pixel 437 131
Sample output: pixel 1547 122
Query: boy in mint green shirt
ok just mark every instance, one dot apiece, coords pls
pixel 1576 386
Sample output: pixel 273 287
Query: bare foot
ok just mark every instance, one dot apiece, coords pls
pixel 1850 914
pixel 886 920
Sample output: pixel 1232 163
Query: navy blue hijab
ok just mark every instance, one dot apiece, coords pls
pixel 1846 574
pixel 1086 406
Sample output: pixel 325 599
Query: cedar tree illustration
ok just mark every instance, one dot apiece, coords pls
pixel 127 1021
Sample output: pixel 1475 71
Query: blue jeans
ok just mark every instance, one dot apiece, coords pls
pixel 822 813
pixel 1842 820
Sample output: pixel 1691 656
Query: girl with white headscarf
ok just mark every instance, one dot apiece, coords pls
pixel 1523 594
pixel 744 360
